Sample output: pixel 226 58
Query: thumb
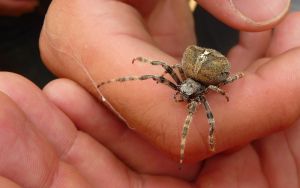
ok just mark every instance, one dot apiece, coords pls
pixel 248 15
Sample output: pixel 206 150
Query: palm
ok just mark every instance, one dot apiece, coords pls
pixel 241 121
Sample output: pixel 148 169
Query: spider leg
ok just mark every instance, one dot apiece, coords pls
pixel 176 99
pixel 218 90
pixel 191 110
pixel 234 77
pixel 167 67
pixel 180 70
pixel 157 78
pixel 211 122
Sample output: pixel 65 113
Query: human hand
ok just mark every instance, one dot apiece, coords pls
pixel 93 41
pixel 41 147
pixel 62 137
pixel 17 7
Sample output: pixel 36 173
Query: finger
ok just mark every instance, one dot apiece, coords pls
pixel 286 35
pixel 19 139
pixel 262 111
pixel 251 46
pixel 47 118
pixel 52 123
pixel 27 158
pixel 99 122
pixel 240 14
pixel 35 153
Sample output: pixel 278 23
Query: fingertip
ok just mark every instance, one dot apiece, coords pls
pixel 240 15
pixel 84 110
pixel 61 91
pixel 265 10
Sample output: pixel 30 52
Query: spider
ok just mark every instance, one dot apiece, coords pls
pixel 200 70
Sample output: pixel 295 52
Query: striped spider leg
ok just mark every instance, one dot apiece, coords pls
pixel 191 110
pixel 168 69
pixel 192 106
pixel 234 77
pixel 157 78
pixel 177 66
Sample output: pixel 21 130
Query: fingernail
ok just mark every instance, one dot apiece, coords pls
pixel 261 10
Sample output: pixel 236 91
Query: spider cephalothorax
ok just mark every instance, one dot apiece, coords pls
pixel 201 69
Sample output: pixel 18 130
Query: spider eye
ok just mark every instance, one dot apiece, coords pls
pixel 225 74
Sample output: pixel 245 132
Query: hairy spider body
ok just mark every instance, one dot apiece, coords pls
pixel 201 69
pixel 191 90
pixel 206 66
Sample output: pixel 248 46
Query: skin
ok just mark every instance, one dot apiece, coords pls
pixel 64 137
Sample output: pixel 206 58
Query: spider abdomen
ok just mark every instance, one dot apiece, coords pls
pixel 205 65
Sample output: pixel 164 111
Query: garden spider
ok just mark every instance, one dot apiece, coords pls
pixel 201 70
